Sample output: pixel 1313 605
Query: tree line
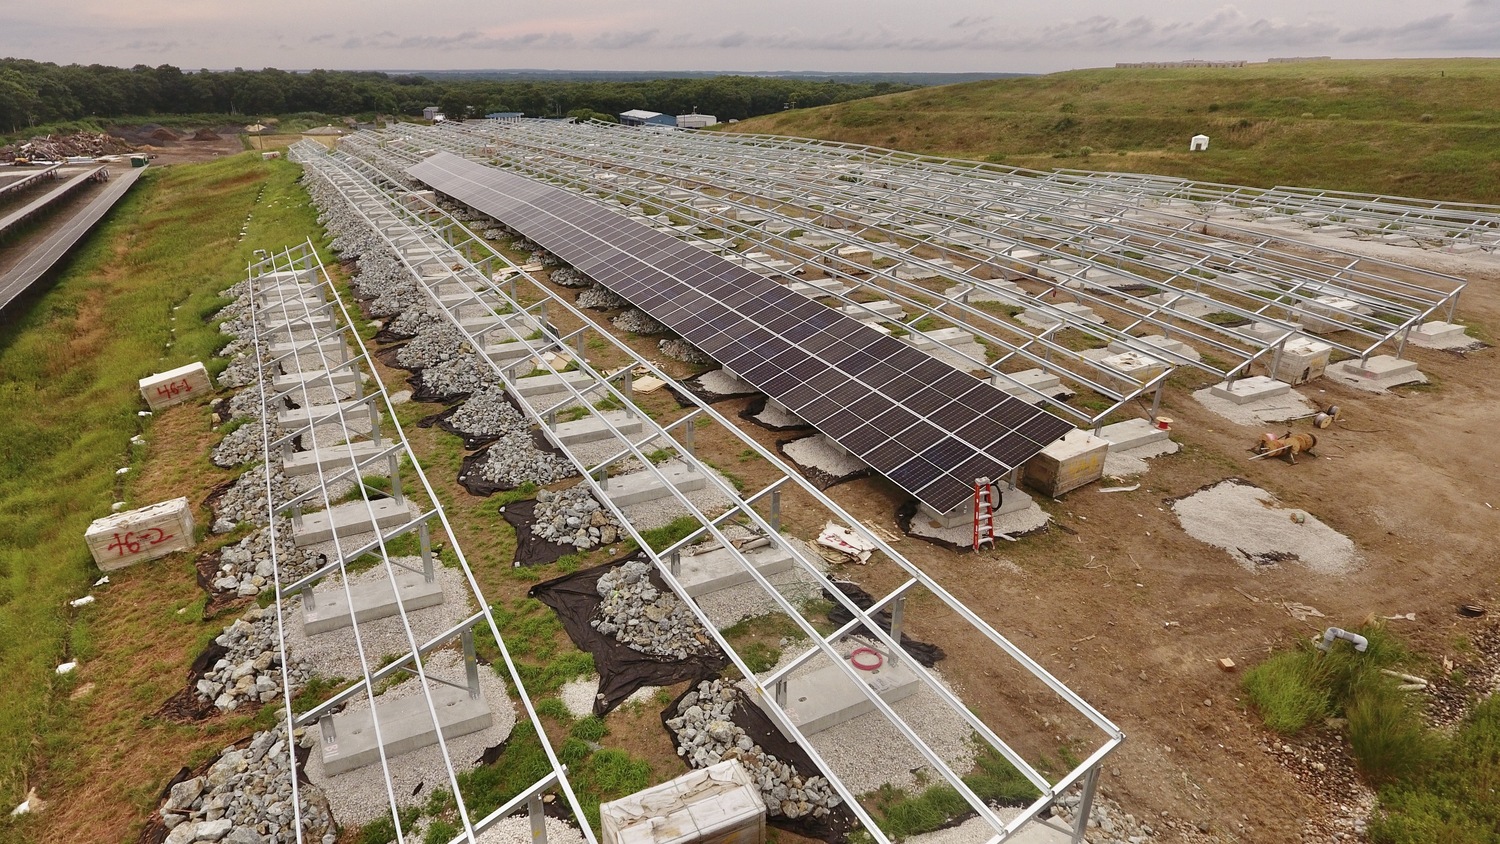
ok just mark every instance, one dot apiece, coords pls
pixel 33 93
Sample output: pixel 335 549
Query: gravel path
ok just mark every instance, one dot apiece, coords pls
pixel 516 829
pixel 578 695
pixel 334 655
pixel 359 796
pixel 1246 522
pixel 748 600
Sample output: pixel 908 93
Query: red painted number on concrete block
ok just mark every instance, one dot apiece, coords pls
pixel 179 386
pixel 132 543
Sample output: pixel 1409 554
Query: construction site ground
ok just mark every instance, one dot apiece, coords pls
pixel 1132 613
pixel 1113 597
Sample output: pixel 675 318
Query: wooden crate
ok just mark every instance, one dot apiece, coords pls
pixel 176 386
pixel 1067 464
pixel 715 805
pixel 124 539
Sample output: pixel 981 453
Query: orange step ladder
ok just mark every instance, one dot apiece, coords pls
pixel 984 512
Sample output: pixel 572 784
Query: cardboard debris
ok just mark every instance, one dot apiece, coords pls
pixel 845 541
pixel 647 384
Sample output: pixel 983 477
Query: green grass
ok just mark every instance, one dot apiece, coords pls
pixel 1421 127
pixel 69 362
pixel 1296 688
pixel 1453 799
pixel 902 814
pixel 676 530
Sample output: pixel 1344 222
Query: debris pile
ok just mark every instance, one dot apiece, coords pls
pixel 644 618
pixel 59 147
pixel 250 670
pixel 706 735
pixel 574 517
pixel 246 796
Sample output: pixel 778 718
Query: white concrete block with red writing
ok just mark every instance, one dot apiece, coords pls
pixel 176 386
pixel 134 536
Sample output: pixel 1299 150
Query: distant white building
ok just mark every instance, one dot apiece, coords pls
pixel 1198 143
pixel 432 113
pixel 695 121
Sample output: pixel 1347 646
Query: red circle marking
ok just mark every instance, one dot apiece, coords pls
pixel 854 659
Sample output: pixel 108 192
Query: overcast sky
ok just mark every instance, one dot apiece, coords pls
pixel 750 35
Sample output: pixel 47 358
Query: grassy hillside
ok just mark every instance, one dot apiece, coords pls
pixel 1415 127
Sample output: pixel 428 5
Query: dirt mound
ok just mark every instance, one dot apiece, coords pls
pixel 205 135
pixel 164 134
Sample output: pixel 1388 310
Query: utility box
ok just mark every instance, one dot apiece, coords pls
pixel 1302 359
pixel 124 539
pixel 176 386
pixel 1067 464
pixel 719 804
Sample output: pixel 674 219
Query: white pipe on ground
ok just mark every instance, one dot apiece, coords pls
pixel 1360 643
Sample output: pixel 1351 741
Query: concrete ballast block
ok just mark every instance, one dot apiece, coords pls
pixel 176 386
pixel 348 739
pixel 134 536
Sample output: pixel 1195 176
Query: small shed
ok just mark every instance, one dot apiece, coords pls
pixel 641 117
pixel 695 121
pixel 1199 143
pixel 431 112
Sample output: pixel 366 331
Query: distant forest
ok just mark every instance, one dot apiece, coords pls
pixel 36 93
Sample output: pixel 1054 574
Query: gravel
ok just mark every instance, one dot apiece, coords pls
pixel 776 416
pixel 600 298
pixel 244 404
pixel 514 460
pixel 487 413
pixel 722 383
pixel 684 351
pixel 637 321
pixel 414 321
pixel 360 796
pixel 516 829
pixel 245 568
pixel 250 671
pixel 243 445
pixel 246 798
pixel 569 277
pixel 706 735
pixel 1246 522
pixel 818 452
pixel 463 373
pixel 336 654
pixel 579 695
pixel 573 516
pixel 1132 461
pixel 433 344
pixel 245 499
pixel 644 618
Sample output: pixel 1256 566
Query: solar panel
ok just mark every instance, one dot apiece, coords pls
pixel 927 427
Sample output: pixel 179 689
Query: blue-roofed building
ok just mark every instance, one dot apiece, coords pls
pixel 641 117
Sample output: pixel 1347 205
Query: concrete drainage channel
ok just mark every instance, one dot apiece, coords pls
pixel 822 697
pixel 350 561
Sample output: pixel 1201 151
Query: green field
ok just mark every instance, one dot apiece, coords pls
pixel 1427 127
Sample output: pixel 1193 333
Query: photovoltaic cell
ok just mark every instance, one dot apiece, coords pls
pixel 927 427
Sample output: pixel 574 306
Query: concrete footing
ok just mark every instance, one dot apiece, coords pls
pixel 1166 344
pixel 329 608
pixel 592 428
pixel 640 487
pixel 1132 433
pixel 819 288
pixel 882 311
pixel 300 418
pixel 821 699
pixel 542 385
pixel 1439 335
pixel 330 458
pixel 1073 313
pixel 345 377
pixel 1247 390
pixel 1039 380
pixel 717 570
pixel 1378 374
pixel 348 739
pixel 349 519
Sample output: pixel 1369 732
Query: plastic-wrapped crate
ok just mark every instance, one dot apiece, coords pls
pixel 124 539
pixel 716 805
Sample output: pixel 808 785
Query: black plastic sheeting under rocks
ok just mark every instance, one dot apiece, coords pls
pixel 622 669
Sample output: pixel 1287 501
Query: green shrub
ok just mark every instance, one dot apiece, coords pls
pixel 1387 733
pixel 1285 691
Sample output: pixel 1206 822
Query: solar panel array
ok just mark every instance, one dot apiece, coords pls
pixel 929 428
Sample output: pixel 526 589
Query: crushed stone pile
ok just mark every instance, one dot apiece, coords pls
pixel 645 618
pixel 246 798
pixel 250 670
pixel 573 517
pixel 706 735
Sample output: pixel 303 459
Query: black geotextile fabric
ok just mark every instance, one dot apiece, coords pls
pixel 833 829
pixel 444 421
pixel 531 550
pixel 756 407
pixel 819 478
pixel 622 669
pixel 922 652
pixel 421 392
